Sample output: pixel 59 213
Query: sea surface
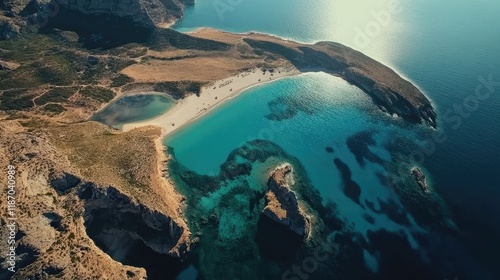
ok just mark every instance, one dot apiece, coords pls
pixel 447 48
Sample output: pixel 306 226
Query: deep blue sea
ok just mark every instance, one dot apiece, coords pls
pixel 449 49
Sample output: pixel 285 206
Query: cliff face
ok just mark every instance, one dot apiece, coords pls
pixel 109 213
pixel 394 99
pixel 114 23
pixel 420 179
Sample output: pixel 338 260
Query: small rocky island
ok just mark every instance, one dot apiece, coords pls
pixel 282 205
pixel 420 178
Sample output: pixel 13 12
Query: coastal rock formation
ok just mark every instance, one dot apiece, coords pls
pixel 281 202
pixel 68 217
pixel 420 179
pixel 398 97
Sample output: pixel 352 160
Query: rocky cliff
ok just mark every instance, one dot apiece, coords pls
pixel 109 213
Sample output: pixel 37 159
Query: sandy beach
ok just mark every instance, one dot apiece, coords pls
pixel 212 95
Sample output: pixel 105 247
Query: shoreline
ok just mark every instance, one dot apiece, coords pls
pixel 211 96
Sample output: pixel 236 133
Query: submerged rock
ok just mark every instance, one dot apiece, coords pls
pixel 281 202
pixel 420 179
pixel 329 150
pixel 350 188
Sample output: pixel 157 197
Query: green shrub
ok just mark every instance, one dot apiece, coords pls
pixel 121 80
pixel 58 94
pixel 98 93
pixel 54 108
pixel 15 100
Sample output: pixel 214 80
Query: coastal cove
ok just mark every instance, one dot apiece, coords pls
pixel 425 45
pixel 198 146
pixel 252 140
pixel 195 106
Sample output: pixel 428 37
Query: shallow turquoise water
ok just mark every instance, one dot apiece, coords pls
pixel 134 108
pixel 336 111
pixel 445 47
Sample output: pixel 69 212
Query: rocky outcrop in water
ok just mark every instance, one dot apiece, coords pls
pixel 281 202
pixel 420 179
pixel 350 188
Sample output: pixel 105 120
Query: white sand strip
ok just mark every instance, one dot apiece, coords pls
pixel 193 107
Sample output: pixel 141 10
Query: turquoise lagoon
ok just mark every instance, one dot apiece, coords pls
pixel 134 108
pixel 447 48
pixel 326 112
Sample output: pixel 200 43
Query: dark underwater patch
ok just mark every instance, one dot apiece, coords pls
pixel 391 209
pixel 350 188
pixel 359 145
pixel 275 241
pixel 284 108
